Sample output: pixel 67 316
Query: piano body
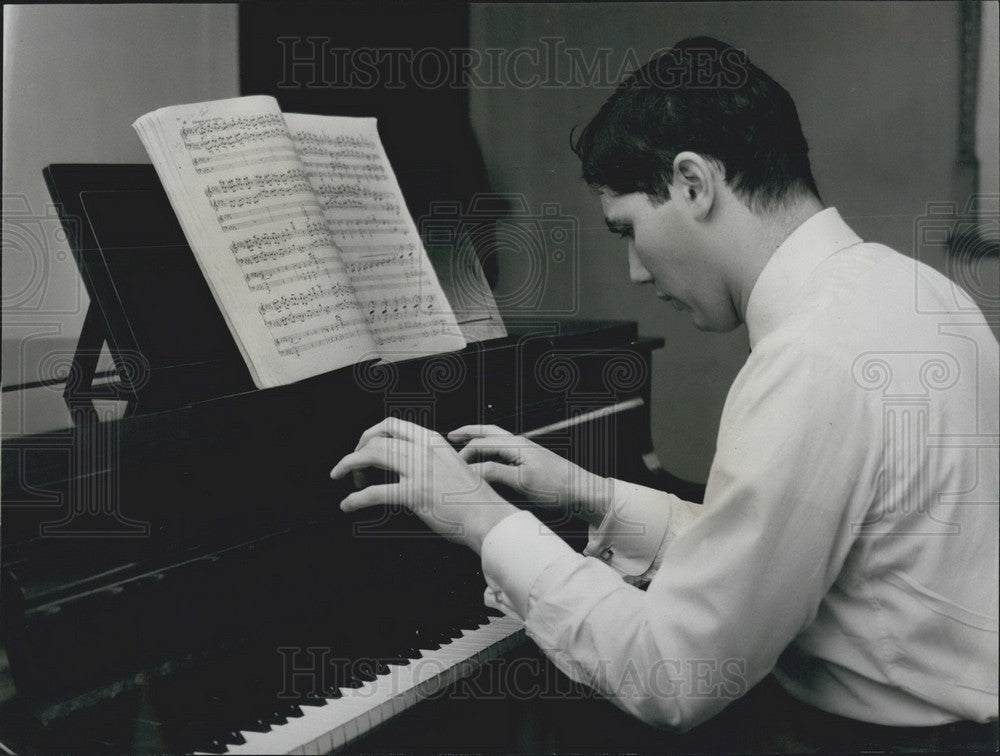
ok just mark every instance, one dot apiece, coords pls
pixel 182 579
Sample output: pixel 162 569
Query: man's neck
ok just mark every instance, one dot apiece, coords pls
pixel 757 236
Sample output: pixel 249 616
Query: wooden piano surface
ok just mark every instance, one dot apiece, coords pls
pixel 154 568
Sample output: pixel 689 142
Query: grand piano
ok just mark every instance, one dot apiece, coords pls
pixel 182 580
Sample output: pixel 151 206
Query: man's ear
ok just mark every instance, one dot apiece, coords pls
pixel 695 183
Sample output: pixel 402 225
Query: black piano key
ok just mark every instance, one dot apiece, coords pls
pixel 311 700
pixel 288 710
pixel 255 724
pixel 443 635
pixel 274 718
pixel 209 745
pixel 428 640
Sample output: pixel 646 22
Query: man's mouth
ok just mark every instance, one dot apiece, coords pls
pixel 679 306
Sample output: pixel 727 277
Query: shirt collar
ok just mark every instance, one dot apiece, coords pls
pixel 772 297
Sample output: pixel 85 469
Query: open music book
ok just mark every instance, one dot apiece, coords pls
pixel 301 230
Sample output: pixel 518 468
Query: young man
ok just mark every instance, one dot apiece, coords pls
pixel 848 539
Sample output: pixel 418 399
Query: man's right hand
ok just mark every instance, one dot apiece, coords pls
pixel 541 476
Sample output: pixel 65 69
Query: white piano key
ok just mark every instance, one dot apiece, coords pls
pixel 339 738
pixel 324 743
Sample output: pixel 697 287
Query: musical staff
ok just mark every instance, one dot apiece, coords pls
pixel 206 126
pixel 339 332
pixel 294 250
pixel 242 158
pixel 304 316
pixel 295 177
pixel 305 272
pixel 286 302
pixel 368 227
pixel 335 142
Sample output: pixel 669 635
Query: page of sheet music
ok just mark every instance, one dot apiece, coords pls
pixel 367 217
pixel 247 206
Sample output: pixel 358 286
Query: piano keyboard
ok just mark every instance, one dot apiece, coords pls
pixel 326 728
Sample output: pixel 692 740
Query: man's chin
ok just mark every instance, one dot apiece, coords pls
pixel 702 323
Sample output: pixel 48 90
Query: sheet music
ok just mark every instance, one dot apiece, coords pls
pixel 367 217
pixel 246 203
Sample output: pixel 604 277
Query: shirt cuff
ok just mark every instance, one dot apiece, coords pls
pixel 632 532
pixel 515 553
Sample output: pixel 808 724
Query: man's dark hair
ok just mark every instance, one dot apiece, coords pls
pixel 704 96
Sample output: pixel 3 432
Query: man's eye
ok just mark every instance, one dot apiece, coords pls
pixel 623 233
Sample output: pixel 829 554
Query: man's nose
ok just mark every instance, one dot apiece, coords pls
pixel 636 270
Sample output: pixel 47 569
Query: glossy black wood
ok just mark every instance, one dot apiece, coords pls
pixel 138 552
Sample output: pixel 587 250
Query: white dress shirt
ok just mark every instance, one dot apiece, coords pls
pixel 849 537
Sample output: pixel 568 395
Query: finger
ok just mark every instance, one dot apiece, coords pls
pixel 378 452
pixel 476 431
pixel 379 429
pixel 492 472
pixel 372 496
pixel 393 427
pixel 479 449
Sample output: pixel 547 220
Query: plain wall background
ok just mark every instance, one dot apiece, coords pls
pixel 876 85
pixel 75 77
